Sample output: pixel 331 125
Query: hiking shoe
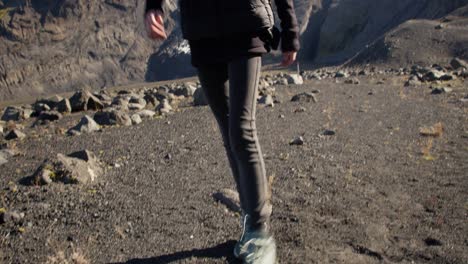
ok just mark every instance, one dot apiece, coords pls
pixel 255 246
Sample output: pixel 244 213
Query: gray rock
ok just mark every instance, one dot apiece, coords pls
pixel 50 116
pixel 282 81
pixel 2 129
pixel 341 74
pixel 267 100
pixel 64 106
pixel 146 113
pixel 15 134
pixel 458 63
pixel 151 99
pixel 120 103
pixel 41 107
pixel 436 75
pixel 329 132
pixel 94 103
pixel 79 167
pixel 199 98
pixel 3 159
pixel 187 89
pixel 441 90
pixel 229 198
pixel 135 106
pixel 297 141
pixel 295 79
pixel 86 125
pixel 11 217
pixel 164 107
pixel 304 97
pixel 85 100
pixel 136 119
pixel 413 81
pixel 44 176
pixel 14 113
pixel 112 117
pixel 352 81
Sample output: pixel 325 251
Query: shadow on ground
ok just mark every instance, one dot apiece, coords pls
pixel 216 252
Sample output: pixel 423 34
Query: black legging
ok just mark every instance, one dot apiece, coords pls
pixel 231 90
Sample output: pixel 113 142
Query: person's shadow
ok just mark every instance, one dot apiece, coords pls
pixel 216 252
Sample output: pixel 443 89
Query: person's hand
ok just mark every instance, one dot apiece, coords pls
pixel 155 25
pixel 288 58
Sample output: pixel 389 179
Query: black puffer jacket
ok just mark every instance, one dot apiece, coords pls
pixel 204 19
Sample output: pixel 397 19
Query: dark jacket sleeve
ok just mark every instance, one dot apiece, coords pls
pixel 289 25
pixel 153 5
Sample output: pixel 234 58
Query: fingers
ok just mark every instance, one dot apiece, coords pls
pixel 155 25
pixel 288 58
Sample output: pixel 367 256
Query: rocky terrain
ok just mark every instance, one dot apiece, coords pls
pixel 367 165
pixel 62 45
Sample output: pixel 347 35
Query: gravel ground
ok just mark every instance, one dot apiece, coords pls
pixel 374 192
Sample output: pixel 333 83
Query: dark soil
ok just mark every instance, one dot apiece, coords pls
pixel 374 192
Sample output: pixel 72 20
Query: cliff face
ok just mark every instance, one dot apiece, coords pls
pixel 350 25
pixel 52 46
pixel 57 45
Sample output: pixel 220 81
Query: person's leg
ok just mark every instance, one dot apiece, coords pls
pixel 244 74
pixel 214 81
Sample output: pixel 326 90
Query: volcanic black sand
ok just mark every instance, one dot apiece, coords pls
pixel 374 191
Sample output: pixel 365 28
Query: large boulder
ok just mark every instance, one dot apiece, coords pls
pixel 79 167
pixel 15 134
pixel 16 113
pixel 84 100
pixel 86 125
pixel 111 117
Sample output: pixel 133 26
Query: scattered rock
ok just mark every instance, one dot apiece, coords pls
pixel 458 63
pixel 297 141
pixel 3 159
pixel 300 109
pixel 112 117
pixel 136 119
pixel 352 81
pixel 294 79
pixel 164 107
pixel 199 98
pixel 328 132
pixel 41 107
pixel 267 100
pixel 146 113
pixel 15 134
pixel 187 89
pixel 229 198
pixel 84 100
pixel 137 103
pixel 14 113
pixel 50 116
pixel 11 217
pixel 431 242
pixel 441 90
pixel 413 81
pixel 86 125
pixel 151 99
pixel 79 167
pixel 341 74
pixel 304 97
pixel 64 106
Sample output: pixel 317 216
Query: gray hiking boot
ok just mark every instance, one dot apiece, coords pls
pixel 255 246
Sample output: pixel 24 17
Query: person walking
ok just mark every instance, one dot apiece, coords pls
pixel 227 39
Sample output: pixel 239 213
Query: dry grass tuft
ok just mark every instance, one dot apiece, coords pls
pixel 433 131
pixel 60 257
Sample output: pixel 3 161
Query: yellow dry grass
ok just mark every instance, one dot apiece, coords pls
pixel 432 131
